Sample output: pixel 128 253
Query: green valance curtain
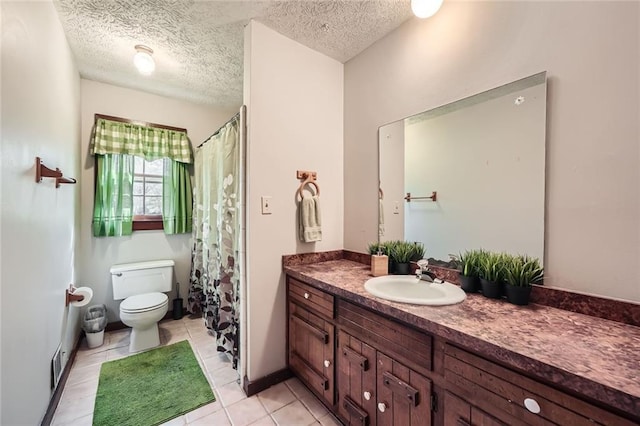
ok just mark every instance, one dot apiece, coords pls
pixel 114 146
pixel 150 143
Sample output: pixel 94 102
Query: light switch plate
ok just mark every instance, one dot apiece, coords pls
pixel 396 207
pixel 266 204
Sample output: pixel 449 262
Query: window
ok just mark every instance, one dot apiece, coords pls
pixel 147 194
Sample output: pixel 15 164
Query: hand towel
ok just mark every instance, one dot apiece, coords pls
pixel 309 223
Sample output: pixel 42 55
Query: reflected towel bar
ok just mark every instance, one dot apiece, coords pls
pixel 433 197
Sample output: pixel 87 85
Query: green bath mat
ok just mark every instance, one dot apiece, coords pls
pixel 150 388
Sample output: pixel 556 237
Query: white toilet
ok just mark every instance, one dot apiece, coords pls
pixel 142 286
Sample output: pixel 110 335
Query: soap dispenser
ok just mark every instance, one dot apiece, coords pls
pixel 379 264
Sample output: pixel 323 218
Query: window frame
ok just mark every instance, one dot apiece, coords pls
pixel 147 222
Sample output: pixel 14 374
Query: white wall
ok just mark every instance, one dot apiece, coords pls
pixel 96 255
pixel 40 117
pixel 294 98
pixel 590 51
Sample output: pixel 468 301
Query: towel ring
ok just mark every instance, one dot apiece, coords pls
pixel 380 194
pixel 309 181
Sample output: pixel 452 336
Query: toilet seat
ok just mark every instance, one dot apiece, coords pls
pixel 143 302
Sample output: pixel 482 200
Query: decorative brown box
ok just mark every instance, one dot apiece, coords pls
pixel 379 265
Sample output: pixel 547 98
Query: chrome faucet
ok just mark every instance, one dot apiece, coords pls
pixel 423 272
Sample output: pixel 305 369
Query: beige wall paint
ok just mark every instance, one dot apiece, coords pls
pixel 590 51
pixel 294 97
pixel 40 117
pixel 96 255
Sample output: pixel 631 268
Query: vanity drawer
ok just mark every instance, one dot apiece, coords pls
pixel 411 347
pixel 506 394
pixel 311 298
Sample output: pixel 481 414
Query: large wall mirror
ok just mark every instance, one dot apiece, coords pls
pixel 470 174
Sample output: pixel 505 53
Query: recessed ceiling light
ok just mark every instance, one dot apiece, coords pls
pixel 143 60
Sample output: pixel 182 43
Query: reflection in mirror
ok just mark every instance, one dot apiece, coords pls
pixel 484 158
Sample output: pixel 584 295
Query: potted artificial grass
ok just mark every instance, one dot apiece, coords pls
pixel 520 273
pixel 469 264
pixel 491 272
pixel 402 253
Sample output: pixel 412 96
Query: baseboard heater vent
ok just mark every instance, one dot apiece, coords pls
pixel 56 368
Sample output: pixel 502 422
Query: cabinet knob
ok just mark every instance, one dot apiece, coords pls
pixel 382 407
pixel 307 295
pixel 327 363
pixel 367 395
pixel 532 405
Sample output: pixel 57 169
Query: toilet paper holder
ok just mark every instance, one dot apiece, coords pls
pixel 70 297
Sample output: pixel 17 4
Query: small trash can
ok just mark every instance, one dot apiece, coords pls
pixel 94 323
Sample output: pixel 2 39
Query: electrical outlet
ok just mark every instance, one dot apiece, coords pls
pixel 266 204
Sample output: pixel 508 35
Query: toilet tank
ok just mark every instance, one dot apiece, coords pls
pixel 130 279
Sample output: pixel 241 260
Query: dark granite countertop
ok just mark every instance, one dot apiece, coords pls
pixel 597 358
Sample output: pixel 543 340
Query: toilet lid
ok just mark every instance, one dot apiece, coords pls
pixel 143 302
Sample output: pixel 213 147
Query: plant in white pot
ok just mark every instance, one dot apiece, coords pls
pixel 520 274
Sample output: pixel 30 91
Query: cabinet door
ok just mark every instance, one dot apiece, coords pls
pixel 404 396
pixel 356 381
pixel 458 412
pixel 311 351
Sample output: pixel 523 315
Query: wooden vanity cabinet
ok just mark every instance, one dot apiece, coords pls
pixel 311 336
pixel 385 373
pixel 481 392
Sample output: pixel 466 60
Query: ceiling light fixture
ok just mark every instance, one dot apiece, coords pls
pixel 425 8
pixel 143 60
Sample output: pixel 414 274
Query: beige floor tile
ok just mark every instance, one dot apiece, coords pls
pixel 118 338
pixel 216 362
pixel 219 418
pixel 80 390
pixel 83 374
pixel 70 410
pixel 314 406
pixel 245 412
pixel 178 421
pixel 265 421
pixel 298 389
pixel 86 420
pixel 225 375
pixel 329 420
pixel 84 359
pixel 230 394
pixel 118 353
pixel 276 397
pixel 294 414
pixel 203 411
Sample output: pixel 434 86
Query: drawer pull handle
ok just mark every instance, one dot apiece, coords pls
pixel 327 363
pixel 307 295
pixel 382 407
pixel 532 405
pixel 355 358
pixel 367 395
pixel 400 387
pixel 355 411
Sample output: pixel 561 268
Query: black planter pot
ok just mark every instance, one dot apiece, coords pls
pixel 491 289
pixel 392 266
pixel 518 295
pixel 402 269
pixel 469 284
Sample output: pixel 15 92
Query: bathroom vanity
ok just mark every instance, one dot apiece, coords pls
pixel 481 362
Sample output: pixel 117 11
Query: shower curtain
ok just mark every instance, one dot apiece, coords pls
pixel 215 270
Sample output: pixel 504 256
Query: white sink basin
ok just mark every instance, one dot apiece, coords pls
pixel 408 289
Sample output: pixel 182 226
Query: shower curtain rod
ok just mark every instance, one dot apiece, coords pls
pixel 235 117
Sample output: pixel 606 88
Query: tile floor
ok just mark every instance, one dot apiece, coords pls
pixel 289 403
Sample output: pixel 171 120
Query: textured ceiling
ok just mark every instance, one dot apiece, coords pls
pixel 198 45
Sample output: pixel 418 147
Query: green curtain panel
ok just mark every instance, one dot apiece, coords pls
pixel 150 143
pixel 215 271
pixel 113 205
pixel 177 198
